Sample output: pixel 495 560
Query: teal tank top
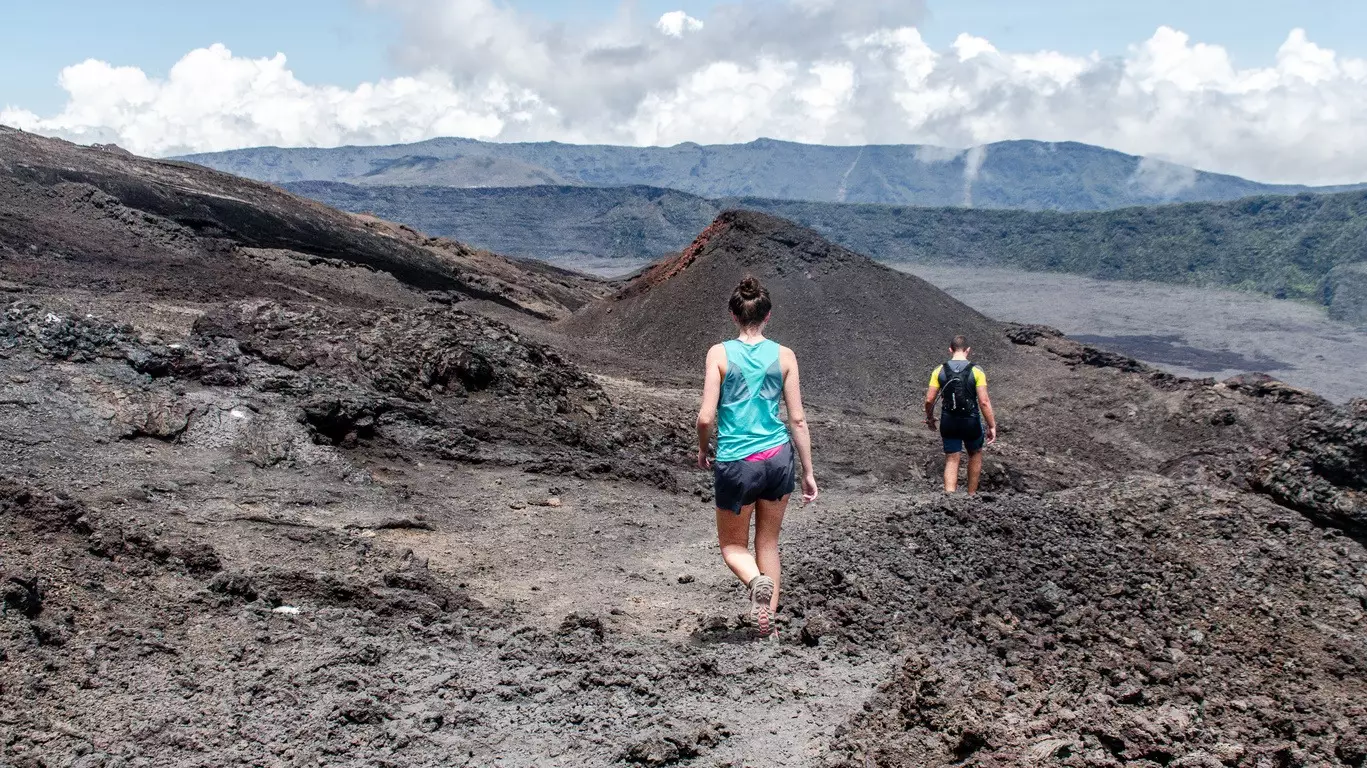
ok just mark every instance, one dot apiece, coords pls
pixel 747 420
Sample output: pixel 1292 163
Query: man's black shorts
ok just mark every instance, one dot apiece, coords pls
pixel 740 483
pixel 962 433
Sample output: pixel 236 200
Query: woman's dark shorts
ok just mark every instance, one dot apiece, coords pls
pixel 741 483
pixel 961 434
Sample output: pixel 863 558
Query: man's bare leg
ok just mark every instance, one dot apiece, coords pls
pixel 975 470
pixel 768 521
pixel 951 472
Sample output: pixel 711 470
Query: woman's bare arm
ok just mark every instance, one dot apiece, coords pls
pixel 797 422
pixel 711 394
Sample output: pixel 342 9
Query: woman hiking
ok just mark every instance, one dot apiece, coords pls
pixel 755 451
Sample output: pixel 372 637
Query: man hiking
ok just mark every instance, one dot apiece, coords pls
pixel 961 388
pixel 745 380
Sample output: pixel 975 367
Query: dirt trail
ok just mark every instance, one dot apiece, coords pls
pixel 620 558
pixel 647 566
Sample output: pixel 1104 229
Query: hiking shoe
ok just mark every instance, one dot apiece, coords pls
pixel 761 593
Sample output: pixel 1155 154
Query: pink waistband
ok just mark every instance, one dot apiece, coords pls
pixel 764 455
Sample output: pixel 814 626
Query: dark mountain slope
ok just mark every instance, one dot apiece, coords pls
pixel 71 215
pixel 1013 174
pixel 862 331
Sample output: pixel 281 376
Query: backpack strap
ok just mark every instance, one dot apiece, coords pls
pixel 944 374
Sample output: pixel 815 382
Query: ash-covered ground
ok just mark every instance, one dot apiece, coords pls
pixel 284 505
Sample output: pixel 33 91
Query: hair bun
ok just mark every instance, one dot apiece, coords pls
pixel 749 288
pixel 750 303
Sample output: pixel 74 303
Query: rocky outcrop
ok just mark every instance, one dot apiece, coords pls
pixel 1074 353
pixel 436 381
pixel 1262 386
pixel 1324 474
pixel 106 535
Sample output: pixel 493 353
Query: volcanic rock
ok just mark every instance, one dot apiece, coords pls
pixel 1324 474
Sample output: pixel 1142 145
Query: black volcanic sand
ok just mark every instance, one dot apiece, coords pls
pixel 1170 350
pixel 325 515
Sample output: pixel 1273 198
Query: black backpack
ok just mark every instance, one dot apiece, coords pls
pixel 958 392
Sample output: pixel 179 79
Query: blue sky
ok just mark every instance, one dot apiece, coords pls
pixel 342 42
pixel 1213 95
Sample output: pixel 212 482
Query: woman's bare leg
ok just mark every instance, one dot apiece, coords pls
pixel 768 521
pixel 733 534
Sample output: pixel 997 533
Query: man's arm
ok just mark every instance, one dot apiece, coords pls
pixel 932 394
pixel 711 394
pixel 985 405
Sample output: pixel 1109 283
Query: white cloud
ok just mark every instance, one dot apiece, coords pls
pixel 931 154
pixel 212 100
pixel 846 71
pixel 676 23
pixel 968 47
pixel 973 165
pixel 1161 179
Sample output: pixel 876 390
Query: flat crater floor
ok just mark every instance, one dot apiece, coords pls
pixel 1189 331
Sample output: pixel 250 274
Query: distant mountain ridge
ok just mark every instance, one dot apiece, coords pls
pixel 587 228
pixel 1030 175
pixel 1299 246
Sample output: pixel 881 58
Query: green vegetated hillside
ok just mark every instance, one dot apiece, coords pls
pixel 1031 175
pixel 577 227
pixel 1285 246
